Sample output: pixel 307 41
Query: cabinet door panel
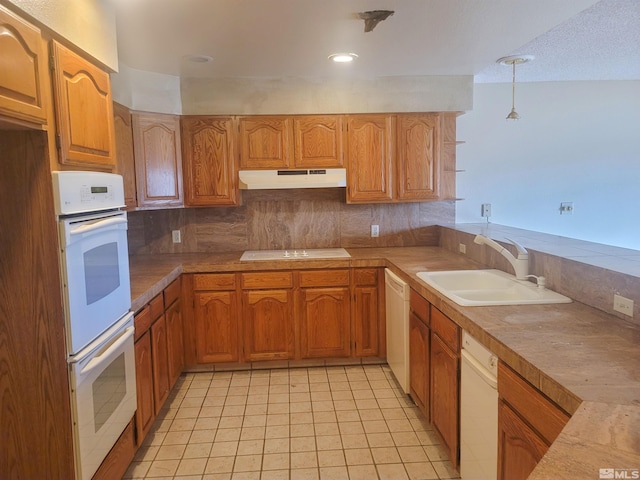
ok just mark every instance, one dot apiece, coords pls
pixel 265 142
pixel 145 412
pixel 23 71
pixel 325 322
pixel 268 325
pixel 125 163
pixel 84 111
pixel 418 157
pixel 216 315
pixel 209 157
pixel 419 363
pixel 156 139
pixel 366 322
pixel 318 141
pixel 160 362
pixel 445 395
pixel 519 447
pixel 370 140
pixel 175 345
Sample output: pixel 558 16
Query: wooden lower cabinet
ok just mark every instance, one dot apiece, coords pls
pixel 283 315
pixel 160 362
pixel 521 448
pixel 325 322
pixel 324 314
pixel 268 324
pixel 445 382
pixel 368 324
pixel 420 352
pixel 419 361
pixel 175 346
pixel 216 326
pixel 528 423
pixel 145 413
pixel 445 395
pixel 159 355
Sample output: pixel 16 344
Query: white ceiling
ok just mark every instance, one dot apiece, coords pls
pixel 571 39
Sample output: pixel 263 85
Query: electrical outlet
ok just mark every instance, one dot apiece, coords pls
pixel 485 210
pixel 375 230
pixel 176 236
pixel 462 248
pixel 623 305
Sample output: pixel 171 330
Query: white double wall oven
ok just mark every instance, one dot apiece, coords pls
pixel 94 262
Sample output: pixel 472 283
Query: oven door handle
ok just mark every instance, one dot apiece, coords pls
pixel 109 222
pixel 103 357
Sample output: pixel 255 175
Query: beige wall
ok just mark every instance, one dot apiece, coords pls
pixel 326 95
pixel 282 219
pixel 88 24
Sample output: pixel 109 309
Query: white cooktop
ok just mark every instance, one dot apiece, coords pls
pixel 294 254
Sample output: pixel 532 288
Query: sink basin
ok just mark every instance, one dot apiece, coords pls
pixel 488 287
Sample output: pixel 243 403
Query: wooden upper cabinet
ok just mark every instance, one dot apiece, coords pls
pixel 417 165
pixel 158 159
pixel 265 142
pixel 209 157
pixel 125 161
pixel 84 111
pixel 370 146
pixel 23 70
pixel 318 141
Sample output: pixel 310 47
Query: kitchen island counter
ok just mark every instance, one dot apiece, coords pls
pixel 585 360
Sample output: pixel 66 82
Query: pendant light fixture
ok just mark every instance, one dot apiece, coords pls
pixel 513 61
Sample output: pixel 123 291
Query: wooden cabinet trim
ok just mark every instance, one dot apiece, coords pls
pixel 142 321
pixel 420 306
pixel 172 292
pixel 156 307
pixel 323 278
pixel 214 281
pixel 446 329
pixel 267 280
pixel 365 276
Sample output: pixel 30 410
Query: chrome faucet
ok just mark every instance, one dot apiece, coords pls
pixel 520 263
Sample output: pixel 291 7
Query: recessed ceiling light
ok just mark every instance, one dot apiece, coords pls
pixel 198 58
pixel 343 57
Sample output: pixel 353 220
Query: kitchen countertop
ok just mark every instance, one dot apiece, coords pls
pixel 585 360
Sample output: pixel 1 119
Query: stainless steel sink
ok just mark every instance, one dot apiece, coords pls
pixel 489 287
pixel 294 254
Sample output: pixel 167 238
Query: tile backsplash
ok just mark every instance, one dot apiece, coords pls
pixel 284 219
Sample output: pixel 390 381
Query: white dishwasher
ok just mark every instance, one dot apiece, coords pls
pixel 478 411
pixel 397 312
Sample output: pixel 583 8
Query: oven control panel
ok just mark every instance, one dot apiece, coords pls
pixel 84 192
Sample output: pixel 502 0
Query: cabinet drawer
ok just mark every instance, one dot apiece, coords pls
pixel 157 307
pixel 172 292
pixel 365 276
pixel 262 280
pixel 446 329
pixel 324 278
pixel 142 322
pixel 542 414
pixel 214 281
pixel 419 306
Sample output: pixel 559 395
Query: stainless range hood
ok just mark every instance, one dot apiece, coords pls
pixel 279 179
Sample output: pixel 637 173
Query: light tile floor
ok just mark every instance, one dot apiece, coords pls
pixel 321 423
